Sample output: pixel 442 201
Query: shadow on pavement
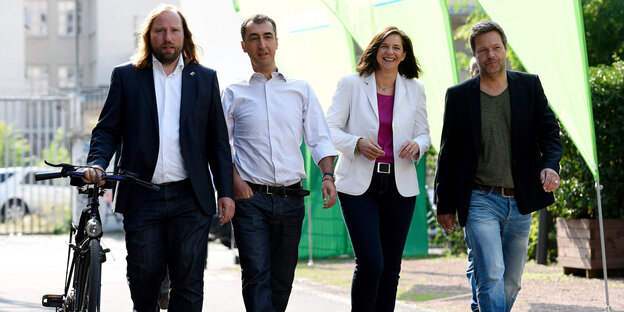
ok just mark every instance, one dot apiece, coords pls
pixel 549 307
pixel 424 292
pixel 21 304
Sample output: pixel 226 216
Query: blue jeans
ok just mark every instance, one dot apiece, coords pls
pixel 168 230
pixel 378 222
pixel 267 229
pixel 498 236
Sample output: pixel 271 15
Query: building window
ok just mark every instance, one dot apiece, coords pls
pixel 36 18
pixel 66 18
pixel 37 80
pixel 66 77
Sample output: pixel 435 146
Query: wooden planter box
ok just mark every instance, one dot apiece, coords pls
pixel 578 245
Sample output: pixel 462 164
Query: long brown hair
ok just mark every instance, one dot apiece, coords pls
pixel 409 67
pixel 142 57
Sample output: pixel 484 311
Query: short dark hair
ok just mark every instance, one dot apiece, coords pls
pixel 483 27
pixel 257 19
pixel 409 67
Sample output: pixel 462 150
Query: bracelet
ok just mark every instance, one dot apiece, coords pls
pixel 330 175
pixel 357 149
pixel 330 180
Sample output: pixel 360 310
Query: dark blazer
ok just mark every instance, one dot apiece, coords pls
pixel 130 118
pixel 535 145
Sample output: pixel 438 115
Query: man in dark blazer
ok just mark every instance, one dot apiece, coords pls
pixel 165 112
pixel 498 162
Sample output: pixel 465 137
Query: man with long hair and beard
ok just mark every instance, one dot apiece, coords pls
pixel 164 110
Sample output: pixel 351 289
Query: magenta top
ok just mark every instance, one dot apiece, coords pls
pixel 385 104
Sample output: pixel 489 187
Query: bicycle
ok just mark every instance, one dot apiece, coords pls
pixel 83 274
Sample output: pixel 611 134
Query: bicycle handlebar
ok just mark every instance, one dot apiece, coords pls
pixel 111 177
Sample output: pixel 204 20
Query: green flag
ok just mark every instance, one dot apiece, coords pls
pixel 428 25
pixel 549 38
pixel 312 44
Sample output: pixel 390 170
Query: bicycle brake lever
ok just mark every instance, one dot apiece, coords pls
pixel 64 166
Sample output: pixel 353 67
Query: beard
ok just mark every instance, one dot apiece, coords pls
pixel 493 67
pixel 166 58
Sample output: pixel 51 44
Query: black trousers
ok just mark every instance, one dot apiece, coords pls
pixel 378 222
pixel 170 230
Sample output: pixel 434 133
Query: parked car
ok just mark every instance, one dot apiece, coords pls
pixel 20 194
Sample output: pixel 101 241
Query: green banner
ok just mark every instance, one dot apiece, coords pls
pixel 428 24
pixel 549 38
pixel 312 44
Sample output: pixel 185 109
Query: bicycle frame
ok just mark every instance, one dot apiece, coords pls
pixel 83 273
pixel 89 228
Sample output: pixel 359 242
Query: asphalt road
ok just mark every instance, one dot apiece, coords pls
pixel 33 265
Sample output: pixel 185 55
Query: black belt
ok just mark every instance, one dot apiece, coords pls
pixel 174 183
pixel 384 168
pixel 503 191
pixel 291 190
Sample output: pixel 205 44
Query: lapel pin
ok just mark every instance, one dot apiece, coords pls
pixel 192 73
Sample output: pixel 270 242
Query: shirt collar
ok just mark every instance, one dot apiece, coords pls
pixel 179 67
pixel 276 74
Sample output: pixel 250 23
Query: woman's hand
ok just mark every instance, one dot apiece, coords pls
pixel 369 149
pixel 409 150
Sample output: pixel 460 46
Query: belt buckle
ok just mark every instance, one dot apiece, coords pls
pixel 268 190
pixel 503 193
pixel 381 166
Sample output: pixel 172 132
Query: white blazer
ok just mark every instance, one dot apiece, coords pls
pixel 354 114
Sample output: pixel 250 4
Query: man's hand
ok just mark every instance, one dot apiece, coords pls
pixel 91 175
pixel 369 149
pixel 226 210
pixel 241 188
pixel 329 193
pixel 550 180
pixel 409 150
pixel 447 221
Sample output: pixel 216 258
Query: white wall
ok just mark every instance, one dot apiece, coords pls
pixel 214 24
pixel 116 23
pixel 216 29
pixel 12 56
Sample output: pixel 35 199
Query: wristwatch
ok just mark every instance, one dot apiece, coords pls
pixel 331 174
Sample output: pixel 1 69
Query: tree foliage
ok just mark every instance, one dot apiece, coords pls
pixel 13 147
pixel 604 30
pixel 576 198
pixel 55 152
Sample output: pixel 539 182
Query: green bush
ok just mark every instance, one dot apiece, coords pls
pixel 576 198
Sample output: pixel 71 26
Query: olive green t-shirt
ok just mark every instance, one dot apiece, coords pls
pixel 494 167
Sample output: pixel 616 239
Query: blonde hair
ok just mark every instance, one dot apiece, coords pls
pixel 142 57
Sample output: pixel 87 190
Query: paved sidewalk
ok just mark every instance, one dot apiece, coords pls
pixel 33 265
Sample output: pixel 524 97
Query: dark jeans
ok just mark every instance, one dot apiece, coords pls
pixel 170 230
pixel 378 222
pixel 267 230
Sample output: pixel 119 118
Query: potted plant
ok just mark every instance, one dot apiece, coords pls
pixel 576 209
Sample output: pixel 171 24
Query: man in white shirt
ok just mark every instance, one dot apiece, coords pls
pixel 164 110
pixel 267 116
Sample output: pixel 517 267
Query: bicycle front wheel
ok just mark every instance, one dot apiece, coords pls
pixel 95 276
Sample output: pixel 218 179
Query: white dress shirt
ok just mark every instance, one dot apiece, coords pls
pixel 170 165
pixel 267 120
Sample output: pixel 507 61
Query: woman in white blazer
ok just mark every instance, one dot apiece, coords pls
pixel 378 123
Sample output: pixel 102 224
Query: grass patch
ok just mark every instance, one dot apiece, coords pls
pixel 419 297
pixel 332 271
